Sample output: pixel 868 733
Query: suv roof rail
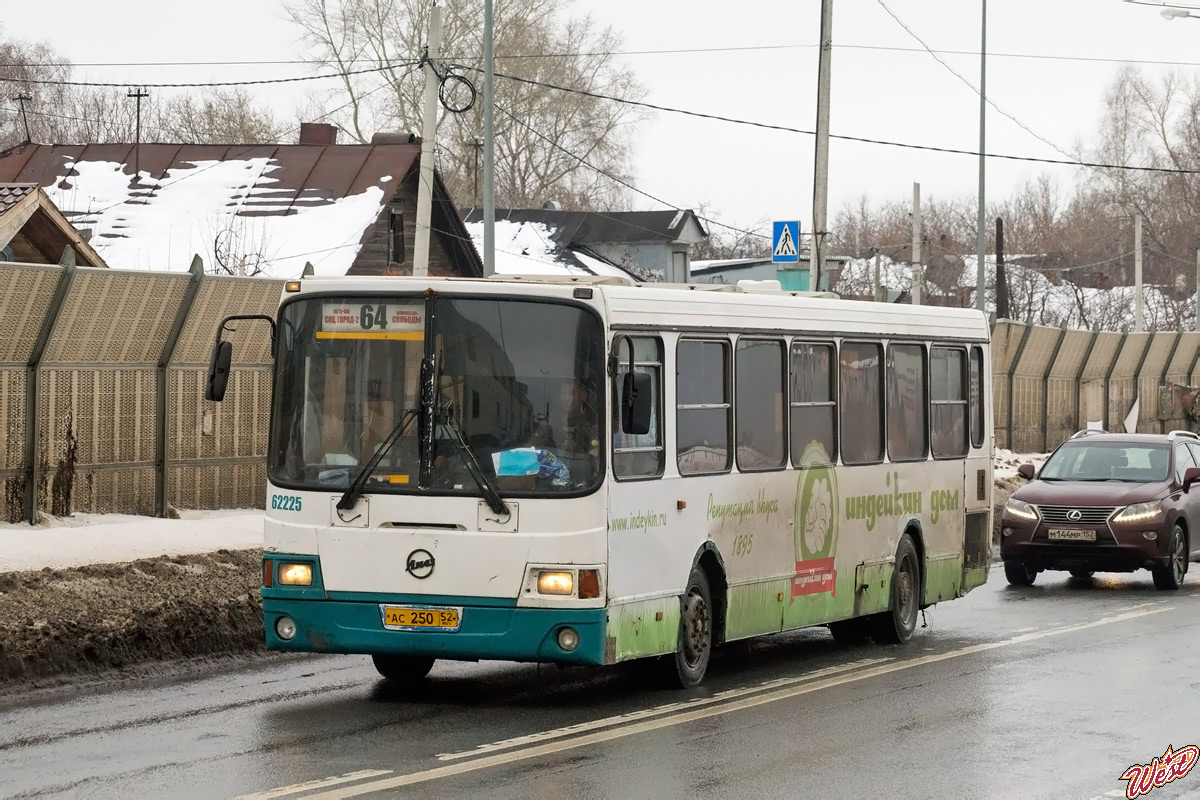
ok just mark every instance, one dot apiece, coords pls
pixel 1188 434
pixel 1091 431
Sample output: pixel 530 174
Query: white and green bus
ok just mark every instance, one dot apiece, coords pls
pixel 589 471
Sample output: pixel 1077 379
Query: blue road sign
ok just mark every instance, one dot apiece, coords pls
pixel 785 247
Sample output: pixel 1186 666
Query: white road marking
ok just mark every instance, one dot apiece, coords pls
pixel 634 716
pixel 1024 630
pixel 323 783
pixel 645 726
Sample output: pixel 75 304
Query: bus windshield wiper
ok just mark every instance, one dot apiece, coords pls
pixel 350 496
pixel 489 491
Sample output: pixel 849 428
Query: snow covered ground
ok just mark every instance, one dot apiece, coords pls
pixel 112 538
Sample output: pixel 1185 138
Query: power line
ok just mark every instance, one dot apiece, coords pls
pixel 616 179
pixel 972 86
pixel 210 84
pixel 582 54
pixel 861 139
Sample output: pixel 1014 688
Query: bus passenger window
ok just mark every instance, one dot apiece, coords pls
pixel 639 455
pixel 814 410
pixel 761 433
pixel 703 413
pixel 907 423
pixel 949 402
pixel 977 395
pixel 862 403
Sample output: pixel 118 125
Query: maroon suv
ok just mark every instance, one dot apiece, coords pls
pixel 1107 502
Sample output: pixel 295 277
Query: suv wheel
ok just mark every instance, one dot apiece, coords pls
pixel 1019 573
pixel 1170 575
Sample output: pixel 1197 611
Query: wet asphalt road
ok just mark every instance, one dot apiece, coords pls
pixel 1051 691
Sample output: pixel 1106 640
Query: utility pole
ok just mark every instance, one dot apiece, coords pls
pixel 477 145
pixel 918 271
pixel 22 99
pixel 1198 290
pixel 1138 321
pixel 489 145
pixel 1001 274
pixel 138 93
pixel 821 168
pixel 878 284
pixel 428 147
pixel 980 233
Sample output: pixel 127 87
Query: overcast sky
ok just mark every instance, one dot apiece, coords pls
pixel 884 85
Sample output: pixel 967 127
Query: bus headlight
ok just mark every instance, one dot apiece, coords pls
pixel 555 583
pixel 295 574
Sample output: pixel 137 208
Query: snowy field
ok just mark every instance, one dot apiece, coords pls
pixel 113 538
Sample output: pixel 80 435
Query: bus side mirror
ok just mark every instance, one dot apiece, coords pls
pixel 636 403
pixel 218 371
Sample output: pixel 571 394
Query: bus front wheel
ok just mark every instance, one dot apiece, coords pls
pixel 402 668
pixel 694 646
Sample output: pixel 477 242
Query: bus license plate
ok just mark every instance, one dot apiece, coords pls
pixel 421 618
pixel 1071 535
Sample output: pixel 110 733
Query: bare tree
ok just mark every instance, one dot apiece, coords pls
pixel 727 243
pixel 217 116
pixel 543 134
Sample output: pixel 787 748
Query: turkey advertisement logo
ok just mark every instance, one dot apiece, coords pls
pixel 815 525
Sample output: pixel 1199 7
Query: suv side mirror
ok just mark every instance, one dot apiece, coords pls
pixel 1026 471
pixel 1190 475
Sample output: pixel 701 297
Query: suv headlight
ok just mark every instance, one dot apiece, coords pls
pixel 1138 512
pixel 1021 509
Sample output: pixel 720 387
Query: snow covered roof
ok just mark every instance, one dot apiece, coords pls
pixel 607 227
pixel 532 248
pixel 33 230
pixel 274 207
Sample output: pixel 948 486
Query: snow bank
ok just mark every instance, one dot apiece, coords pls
pixel 113 538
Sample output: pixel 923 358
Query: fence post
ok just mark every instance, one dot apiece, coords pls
pixel 1062 337
pixel 32 370
pixel 1108 375
pixel 1087 356
pixel 164 364
pixel 1162 379
pixel 1137 374
pixel 1012 376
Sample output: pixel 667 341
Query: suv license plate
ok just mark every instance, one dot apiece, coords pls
pixel 1071 535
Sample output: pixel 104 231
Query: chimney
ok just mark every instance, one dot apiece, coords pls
pixel 395 137
pixel 317 133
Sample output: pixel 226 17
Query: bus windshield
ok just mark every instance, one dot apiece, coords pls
pixel 512 386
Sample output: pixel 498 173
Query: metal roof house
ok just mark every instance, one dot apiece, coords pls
pixel 249 209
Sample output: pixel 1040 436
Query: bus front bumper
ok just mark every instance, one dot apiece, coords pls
pixel 499 633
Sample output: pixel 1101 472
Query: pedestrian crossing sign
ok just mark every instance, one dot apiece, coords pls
pixel 785 248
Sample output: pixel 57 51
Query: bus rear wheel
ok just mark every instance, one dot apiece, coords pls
pixel 694 646
pixel 402 668
pixel 896 625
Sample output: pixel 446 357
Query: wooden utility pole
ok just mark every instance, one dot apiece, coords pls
pixel 138 94
pixel 1001 274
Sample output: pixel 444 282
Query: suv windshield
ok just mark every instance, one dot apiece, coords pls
pixel 518 382
pixel 1106 461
